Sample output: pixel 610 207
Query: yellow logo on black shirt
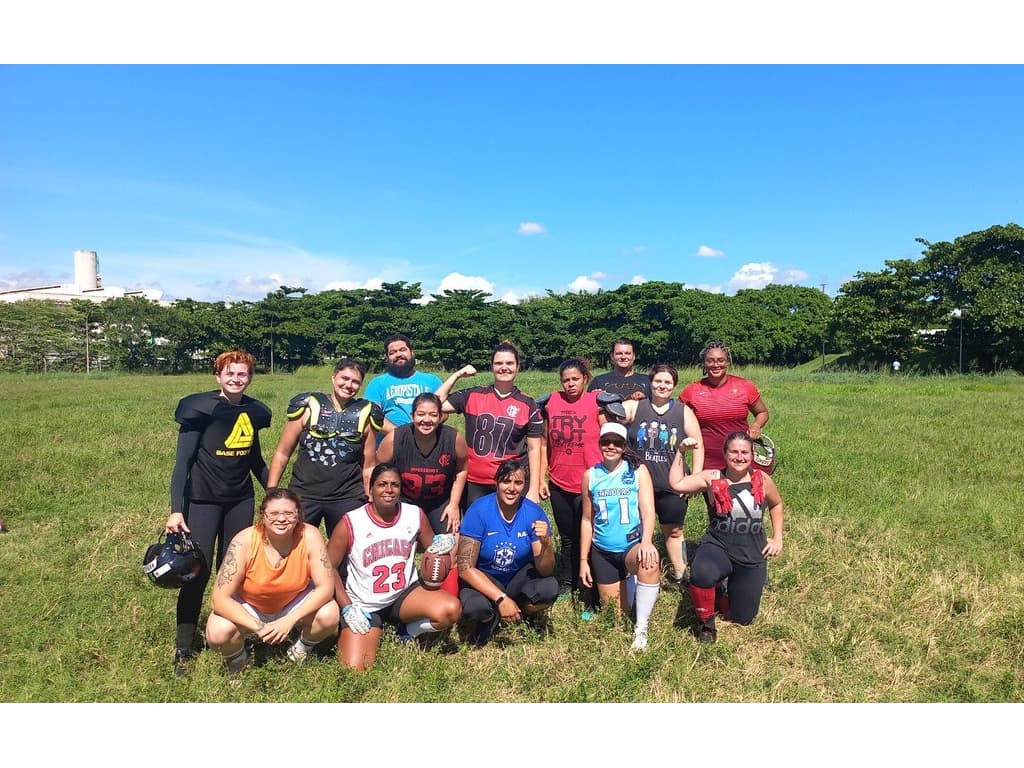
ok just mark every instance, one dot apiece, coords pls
pixel 241 434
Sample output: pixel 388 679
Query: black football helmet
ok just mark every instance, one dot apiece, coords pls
pixel 611 405
pixel 173 561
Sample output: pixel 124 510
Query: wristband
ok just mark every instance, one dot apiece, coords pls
pixel 501 597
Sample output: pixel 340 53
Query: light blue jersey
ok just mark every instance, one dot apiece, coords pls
pixel 616 502
pixel 395 395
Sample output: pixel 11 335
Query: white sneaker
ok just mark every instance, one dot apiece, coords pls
pixel 298 651
pixel 639 640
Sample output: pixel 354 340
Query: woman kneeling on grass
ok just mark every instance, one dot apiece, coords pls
pixel 506 556
pixel 618 528
pixel 377 542
pixel 733 554
pixel 275 576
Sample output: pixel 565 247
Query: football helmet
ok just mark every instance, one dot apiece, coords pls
pixel 611 405
pixel 765 454
pixel 173 561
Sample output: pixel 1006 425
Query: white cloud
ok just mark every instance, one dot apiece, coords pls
pixel 532 228
pixel 456 281
pixel 792 277
pixel 709 287
pixel 638 280
pixel 512 297
pixel 373 284
pixel 635 249
pixel 708 252
pixel 753 275
pixel 587 283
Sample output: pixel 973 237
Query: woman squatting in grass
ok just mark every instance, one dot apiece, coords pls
pixel 506 557
pixel 735 546
pixel 377 543
pixel 275 576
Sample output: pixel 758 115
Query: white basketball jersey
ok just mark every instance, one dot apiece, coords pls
pixel 381 556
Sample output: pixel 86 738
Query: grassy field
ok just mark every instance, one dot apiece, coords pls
pixel 901 579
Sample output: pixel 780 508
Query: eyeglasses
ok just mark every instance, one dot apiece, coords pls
pixel 281 515
pixel 616 443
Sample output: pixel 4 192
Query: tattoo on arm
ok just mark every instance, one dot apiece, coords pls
pixel 229 567
pixel 469 552
pixel 324 560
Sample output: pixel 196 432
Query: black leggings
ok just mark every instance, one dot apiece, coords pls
pixel 567 509
pixel 711 564
pixel 208 521
pixel 527 585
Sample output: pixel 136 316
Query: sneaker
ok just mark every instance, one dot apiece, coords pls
pixel 182 661
pixel 484 631
pixel 706 633
pixel 639 640
pixel 299 651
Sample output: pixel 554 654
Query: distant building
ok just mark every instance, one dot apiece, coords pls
pixel 88 285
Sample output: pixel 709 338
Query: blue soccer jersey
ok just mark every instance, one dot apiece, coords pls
pixel 616 503
pixel 505 548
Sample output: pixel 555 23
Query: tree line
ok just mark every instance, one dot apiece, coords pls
pixel 903 312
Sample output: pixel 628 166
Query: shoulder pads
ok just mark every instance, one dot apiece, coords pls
pixel 376 416
pixel 197 407
pixel 313 400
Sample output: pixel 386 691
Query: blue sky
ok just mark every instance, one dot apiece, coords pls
pixel 224 182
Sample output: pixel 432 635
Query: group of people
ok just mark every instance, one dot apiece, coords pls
pixel 614 455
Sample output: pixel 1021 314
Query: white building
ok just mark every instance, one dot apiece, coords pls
pixel 88 285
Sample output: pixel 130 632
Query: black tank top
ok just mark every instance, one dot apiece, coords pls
pixel 426 480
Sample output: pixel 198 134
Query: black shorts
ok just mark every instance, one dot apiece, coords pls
pixel 608 567
pixel 670 507
pixel 389 613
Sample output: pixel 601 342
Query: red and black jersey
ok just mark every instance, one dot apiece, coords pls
pixel 426 479
pixel 496 428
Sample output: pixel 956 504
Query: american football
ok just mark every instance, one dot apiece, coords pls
pixel 434 569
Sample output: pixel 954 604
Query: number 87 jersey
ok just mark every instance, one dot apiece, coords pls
pixel 616 504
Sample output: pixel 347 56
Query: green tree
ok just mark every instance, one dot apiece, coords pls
pixel 37 336
pixel 978 280
pixel 132 332
pixel 879 316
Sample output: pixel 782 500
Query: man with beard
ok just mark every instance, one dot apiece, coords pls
pixel 395 390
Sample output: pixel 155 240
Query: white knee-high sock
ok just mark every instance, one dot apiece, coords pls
pixel 646 595
pixel 419 627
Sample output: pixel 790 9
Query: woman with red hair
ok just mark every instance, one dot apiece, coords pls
pixel 211 491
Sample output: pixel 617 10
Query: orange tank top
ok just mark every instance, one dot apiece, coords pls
pixel 268 589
